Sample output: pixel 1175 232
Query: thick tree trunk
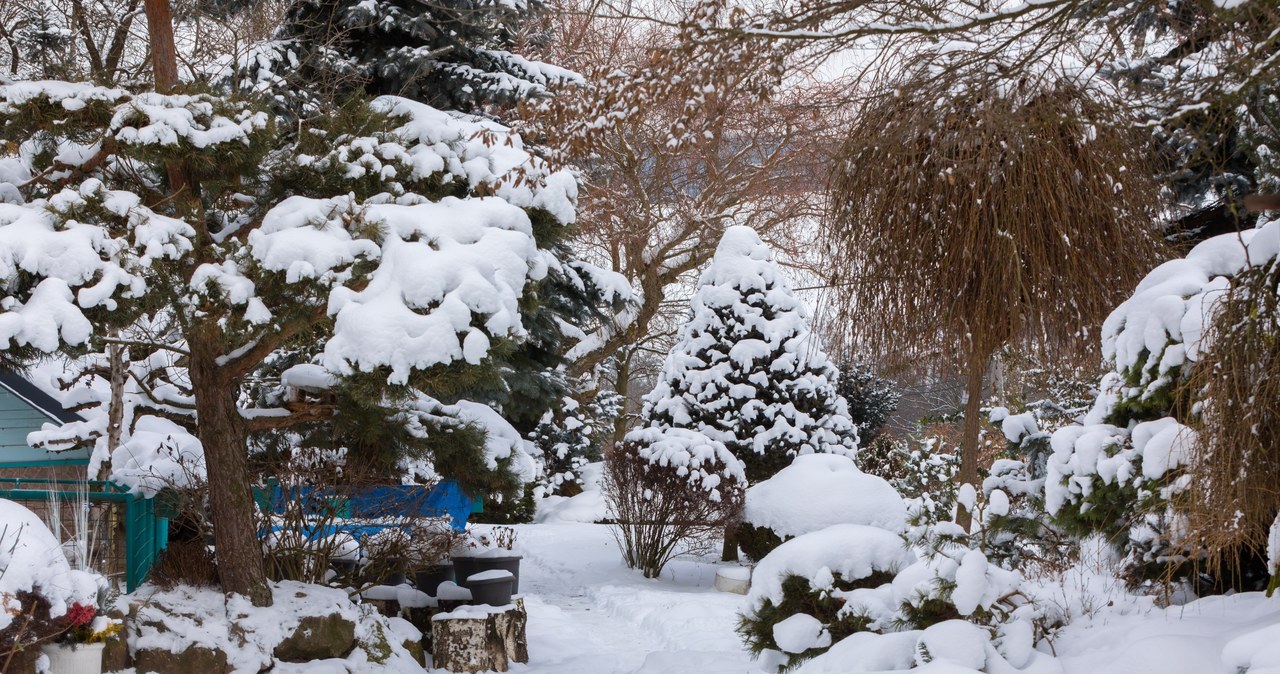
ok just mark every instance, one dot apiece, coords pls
pixel 164 63
pixel 164 55
pixel 969 442
pixel 224 434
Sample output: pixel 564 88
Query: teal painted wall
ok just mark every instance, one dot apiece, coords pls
pixel 17 419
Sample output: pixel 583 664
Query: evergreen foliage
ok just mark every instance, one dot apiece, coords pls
pixel 451 54
pixel 872 399
pixel 747 371
pixel 571 436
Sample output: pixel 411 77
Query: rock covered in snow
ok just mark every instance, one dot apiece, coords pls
pixel 820 490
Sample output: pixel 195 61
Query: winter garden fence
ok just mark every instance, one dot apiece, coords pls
pixel 100 524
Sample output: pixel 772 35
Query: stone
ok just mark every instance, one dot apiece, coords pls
pixel 318 638
pixel 416 650
pixel 115 653
pixel 193 659
pixel 476 639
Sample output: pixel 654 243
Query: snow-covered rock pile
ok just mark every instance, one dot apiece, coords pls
pixel 307 624
pixel 815 492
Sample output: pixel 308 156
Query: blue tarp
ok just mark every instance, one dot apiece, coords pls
pixel 360 505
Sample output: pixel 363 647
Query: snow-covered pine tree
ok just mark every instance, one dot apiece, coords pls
pixel 747 370
pixel 451 54
pixel 872 399
pixel 399 238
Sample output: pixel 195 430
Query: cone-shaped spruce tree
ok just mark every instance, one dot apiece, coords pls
pixel 747 370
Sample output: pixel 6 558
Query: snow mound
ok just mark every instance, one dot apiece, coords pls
pixel 799 633
pixel 866 652
pixel 31 560
pixel 852 550
pixel 955 641
pixel 820 490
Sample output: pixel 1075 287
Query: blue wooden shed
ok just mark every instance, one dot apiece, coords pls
pixel 25 408
pixel 38 477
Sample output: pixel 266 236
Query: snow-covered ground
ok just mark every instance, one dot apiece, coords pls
pixel 589 614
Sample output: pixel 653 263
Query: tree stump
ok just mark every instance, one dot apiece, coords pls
pixel 480 638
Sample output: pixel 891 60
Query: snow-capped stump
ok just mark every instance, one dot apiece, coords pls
pixel 816 491
pixel 480 638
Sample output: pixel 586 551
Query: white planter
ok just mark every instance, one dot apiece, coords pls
pixel 83 659
pixel 735 579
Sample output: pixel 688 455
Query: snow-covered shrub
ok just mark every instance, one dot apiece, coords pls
pixel 819 588
pixel 872 399
pixel 816 491
pixel 920 469
pixel 747 371
pixel 1124 469
pixel 670 492
pixel 824 575
pixel 41 595
pixel 1012 526
pixel 569 437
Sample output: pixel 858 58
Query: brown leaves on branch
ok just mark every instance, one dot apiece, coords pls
pixel 990 215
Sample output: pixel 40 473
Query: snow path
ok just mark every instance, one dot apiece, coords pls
pixel 589 614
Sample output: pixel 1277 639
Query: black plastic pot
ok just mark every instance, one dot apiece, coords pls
pixel 428 579
pixel 343 567
pixel 466 567
pixel 491 591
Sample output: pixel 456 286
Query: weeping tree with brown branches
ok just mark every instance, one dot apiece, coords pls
pixel 1232 502
pixel 975 213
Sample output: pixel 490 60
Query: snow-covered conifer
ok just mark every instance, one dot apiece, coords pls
pixel 747 370
pixel 452 54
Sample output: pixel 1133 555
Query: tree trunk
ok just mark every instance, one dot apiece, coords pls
pixel 164 56
pixel 729 552
pixel 224 435
pixel 969 442
pixel 115 409
pixel 164 63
